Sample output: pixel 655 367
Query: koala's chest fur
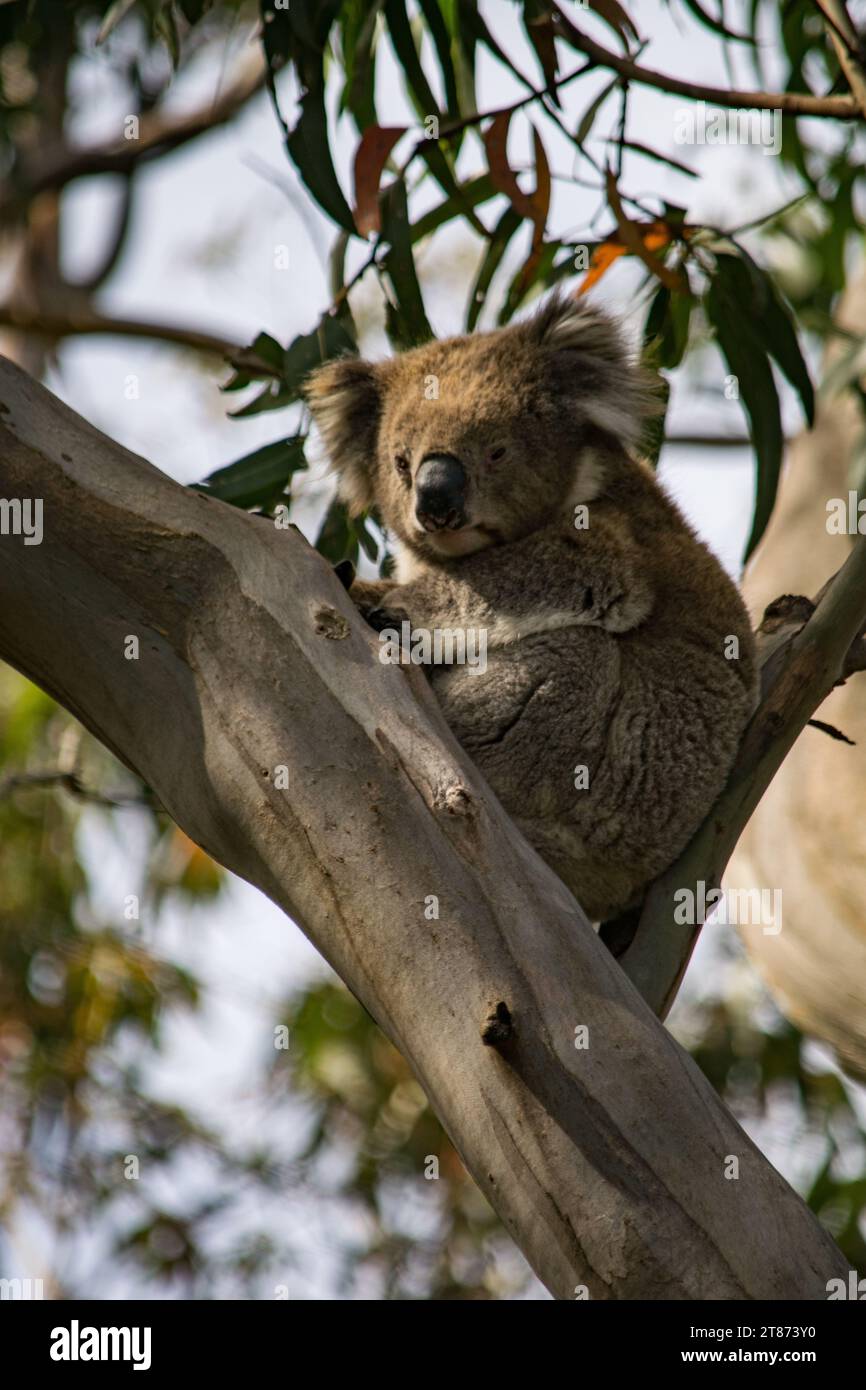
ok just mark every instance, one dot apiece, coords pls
pixel 607 754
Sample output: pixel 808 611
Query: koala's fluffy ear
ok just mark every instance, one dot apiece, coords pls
pixel 575 324
pixel 613 392
pixel 344 397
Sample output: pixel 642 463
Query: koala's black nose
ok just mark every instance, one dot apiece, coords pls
pixel 440 493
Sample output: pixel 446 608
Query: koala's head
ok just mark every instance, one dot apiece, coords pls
pixel 472 441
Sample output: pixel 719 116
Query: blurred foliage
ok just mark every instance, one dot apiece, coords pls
pixel 85 993
pixel 761 1071
pixel 428 1230
pixel 83 999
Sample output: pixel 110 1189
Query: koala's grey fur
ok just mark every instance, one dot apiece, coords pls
pixel 609 647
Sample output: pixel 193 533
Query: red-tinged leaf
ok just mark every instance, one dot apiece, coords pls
pixel 526 278
pixel 542 34
pixel 654 236
pixel 603 258
pixel 534 206
pixel 372 153
pixel 541 197
pixel 613 14
pixel 503 176
pixel 631 234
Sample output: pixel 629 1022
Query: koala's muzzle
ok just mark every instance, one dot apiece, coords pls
pixel 440 493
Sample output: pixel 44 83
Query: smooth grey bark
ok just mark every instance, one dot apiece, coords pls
pixel 607 1164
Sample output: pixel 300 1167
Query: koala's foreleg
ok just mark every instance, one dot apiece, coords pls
pixel 555 578
pixel 369 594
pixel 563 578
pixel 373 599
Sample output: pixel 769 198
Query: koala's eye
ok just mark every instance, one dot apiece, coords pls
pixel 401 463
pixel 498 453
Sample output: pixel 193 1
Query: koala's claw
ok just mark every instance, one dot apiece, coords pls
pixel 382 618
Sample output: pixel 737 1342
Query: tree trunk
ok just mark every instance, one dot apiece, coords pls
pixel 808 836
pixel 609 1164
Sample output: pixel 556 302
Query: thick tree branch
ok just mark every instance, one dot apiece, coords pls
pixel 90 322
pixel 792 103
pixel 805 650
pixel 607 1163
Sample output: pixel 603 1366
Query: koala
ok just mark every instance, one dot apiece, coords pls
pixel 620 669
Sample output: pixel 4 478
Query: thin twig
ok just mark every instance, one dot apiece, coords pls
pixel 71 782
pixel 792 103
pixel 89 323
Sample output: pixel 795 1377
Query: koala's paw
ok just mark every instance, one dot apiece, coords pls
pixel 367 594
pixel 616 610
pixel 381 619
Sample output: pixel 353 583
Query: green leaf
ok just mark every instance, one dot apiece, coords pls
pixel 265 347
pixel 269 350
pixel 407 321
pixel 475 25
pixel 165 26
pixel 359 56
pixel 298 32
pixel 457 14
pixel 330 338
pixel 771 320
pixel 588 118
pixel 717 25
pixel 442 41
pixel 424 101
pixel 194 10
pixel 274 396
pixel 298 35
pixel 308 146
pixel 404 46
pixel 504 230
pixel 253 480
pixel 666 332
pixel 471 193
pixel 616 17
pixel 341 536
pixel 745 356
